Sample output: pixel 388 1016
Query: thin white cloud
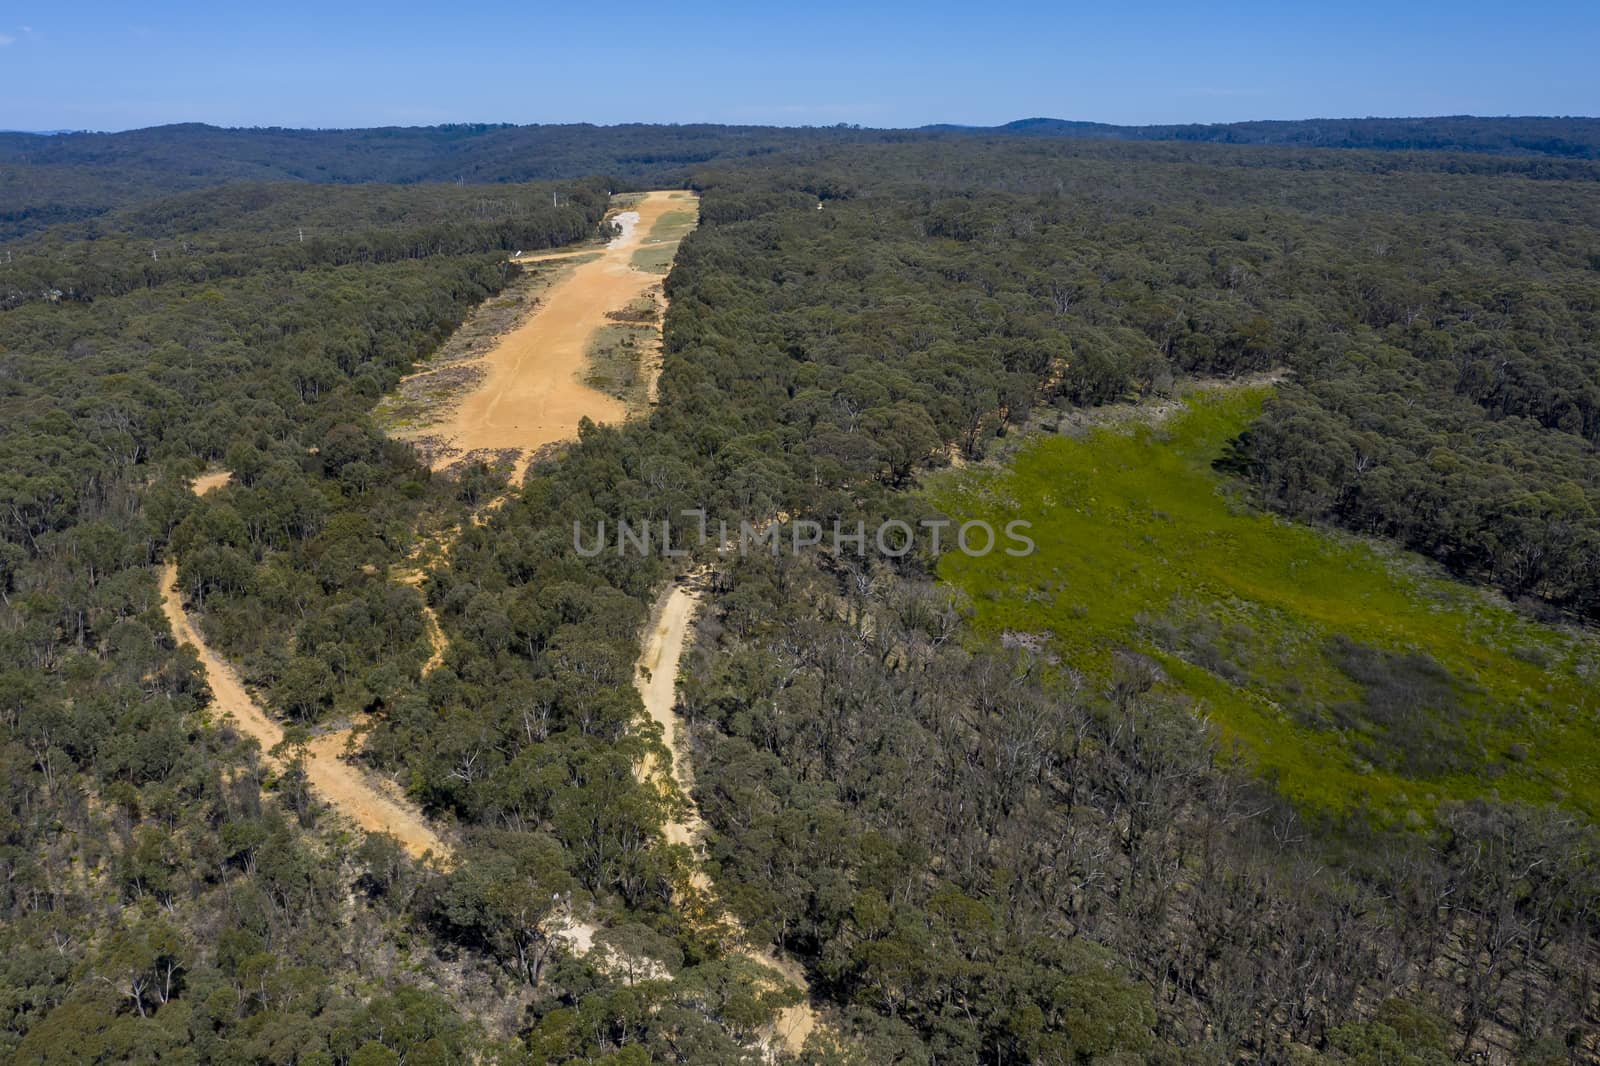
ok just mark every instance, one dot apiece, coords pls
pixel 5 39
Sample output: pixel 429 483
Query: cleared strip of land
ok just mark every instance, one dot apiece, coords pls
pixel 530 390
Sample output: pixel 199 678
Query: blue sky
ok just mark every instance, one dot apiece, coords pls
pixel 118 66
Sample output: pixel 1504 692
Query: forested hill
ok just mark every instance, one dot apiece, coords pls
pixel 503 152
pixel 1564 138
pixel 45 179
pixel 49 179
pixel 471 152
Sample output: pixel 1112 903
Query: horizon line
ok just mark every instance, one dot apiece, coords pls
pixel 928 126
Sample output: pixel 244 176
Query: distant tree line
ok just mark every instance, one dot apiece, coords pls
pixel 47 180
pixel 249 229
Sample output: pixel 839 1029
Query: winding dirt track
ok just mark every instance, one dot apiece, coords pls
pixel 532 393
pixel 437 643
pixel 656 678
pixel 375 807
pixel 340 784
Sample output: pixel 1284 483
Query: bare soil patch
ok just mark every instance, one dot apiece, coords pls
pixel 211 480
pixel 530 387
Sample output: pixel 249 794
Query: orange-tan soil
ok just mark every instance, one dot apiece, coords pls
pixel 211 480
pixel 371 805
pixel 531 392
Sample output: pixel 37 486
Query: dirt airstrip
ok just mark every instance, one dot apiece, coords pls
pixel 530 390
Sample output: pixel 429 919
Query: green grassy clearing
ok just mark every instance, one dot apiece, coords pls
pixel 1354 675
pixel 656 251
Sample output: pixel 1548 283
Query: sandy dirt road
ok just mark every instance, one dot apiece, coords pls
pixel 532 392
pixel 374 805
pixel 437 643
pixel 656 679
pixel 343 786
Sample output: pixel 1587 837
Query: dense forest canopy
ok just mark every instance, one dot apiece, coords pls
pixel 46 179
pixel 974 854
pixel 247 227
pixel 1570 138
pixel 1436 323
